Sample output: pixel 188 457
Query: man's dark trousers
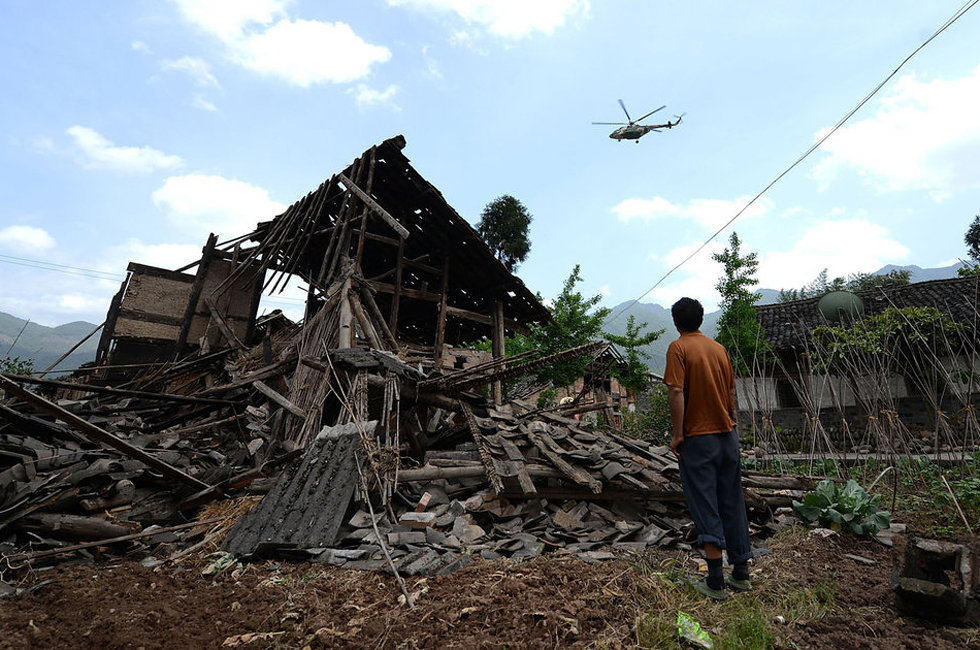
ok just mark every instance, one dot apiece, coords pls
pixel 711 473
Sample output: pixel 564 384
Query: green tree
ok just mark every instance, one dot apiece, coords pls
pixel 854 282
pixel 575 320
pixel 635 374
pixel 972 239
pixel 738 328
pixel 504 226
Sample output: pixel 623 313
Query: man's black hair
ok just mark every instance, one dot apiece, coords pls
pixel 688 314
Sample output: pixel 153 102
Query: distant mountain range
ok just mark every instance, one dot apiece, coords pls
pixel 657 317
pixel 45 344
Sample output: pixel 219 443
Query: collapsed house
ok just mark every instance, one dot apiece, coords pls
pixel 373 430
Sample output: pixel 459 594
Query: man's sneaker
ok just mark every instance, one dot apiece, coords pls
pixel 714 594
pixel 737 585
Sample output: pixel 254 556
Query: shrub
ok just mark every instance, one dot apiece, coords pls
pixel 849 508
pixel 16 366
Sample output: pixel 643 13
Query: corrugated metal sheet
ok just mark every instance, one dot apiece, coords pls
pixel 307 505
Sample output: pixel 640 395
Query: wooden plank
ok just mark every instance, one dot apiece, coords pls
pixel 578 475
pixel 391 241
pixel 481 444
pixel 222 325
pixel 408 292
pixel 279 399
pixel 374 205
pixel 517 458
pixel 95 433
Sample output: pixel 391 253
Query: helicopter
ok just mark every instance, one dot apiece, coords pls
pixel 633 130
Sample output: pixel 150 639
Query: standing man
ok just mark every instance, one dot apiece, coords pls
pixel 701 393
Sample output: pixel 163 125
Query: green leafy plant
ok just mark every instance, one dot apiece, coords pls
pixel 634 374
pixel 848 508
pixel 16 366
pixel 738 327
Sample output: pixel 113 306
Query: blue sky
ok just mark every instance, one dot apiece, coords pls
pixel 130 130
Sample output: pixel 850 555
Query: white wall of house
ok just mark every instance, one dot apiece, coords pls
pixel 755 393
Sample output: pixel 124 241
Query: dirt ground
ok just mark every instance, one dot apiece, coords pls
pixel 544 603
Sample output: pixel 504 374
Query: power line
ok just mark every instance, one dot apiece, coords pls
pixel 61 268
pixel 956 16
pixel 101 275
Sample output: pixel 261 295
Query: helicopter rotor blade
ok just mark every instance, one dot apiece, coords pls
pixel 652 112
pixel 612 123
pixel 626 111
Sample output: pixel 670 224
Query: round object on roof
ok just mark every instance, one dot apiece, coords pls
pixel 838 305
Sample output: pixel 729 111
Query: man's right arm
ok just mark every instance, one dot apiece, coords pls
pixel 675 398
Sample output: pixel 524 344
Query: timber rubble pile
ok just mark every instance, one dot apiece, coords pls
pixel 369 435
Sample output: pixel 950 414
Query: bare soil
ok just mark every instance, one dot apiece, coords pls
pixel 544 603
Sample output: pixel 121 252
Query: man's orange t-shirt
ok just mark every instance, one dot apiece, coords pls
pixel 701 367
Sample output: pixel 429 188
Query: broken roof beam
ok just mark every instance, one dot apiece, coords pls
pixel 122 392
pixel 374 205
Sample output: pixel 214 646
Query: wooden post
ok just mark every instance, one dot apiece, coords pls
pixel 202 272
pixel 497 347
pixel 366 326
pixel 345 338
pixel 441 318
pixel 368 301
pixel 396 297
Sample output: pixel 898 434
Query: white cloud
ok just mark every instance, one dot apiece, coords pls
pixel 431 65
pixel 140 46
pixel 696 279
pixel 925 135
pixel 262 38
pixel 710 213
pixel 200 204
pixel 100 153
pixel 228 19
pixel 197 69
pixel 368 97
pixel 18 238
pixel 201 102
pixel 841 247
pixel 506 18
pixel 305 52
pixel 166 256
pixel 605 291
